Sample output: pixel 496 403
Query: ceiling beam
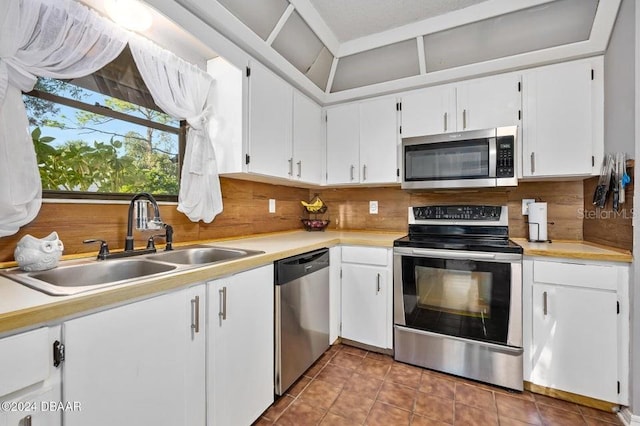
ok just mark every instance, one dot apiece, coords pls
pixel 317 24
pixel 283 20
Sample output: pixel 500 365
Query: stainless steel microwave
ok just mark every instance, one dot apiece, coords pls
pixel 469 159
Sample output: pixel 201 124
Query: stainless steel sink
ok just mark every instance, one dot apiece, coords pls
pixel 79 276
pixel 72 279
pixel 200 255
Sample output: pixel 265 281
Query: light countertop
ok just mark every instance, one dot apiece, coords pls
pixel 574 250
pixel 22 308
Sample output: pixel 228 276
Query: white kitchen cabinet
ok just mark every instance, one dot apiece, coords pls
pixel 470 105
pixel 563 119
pixel 362 142
pixel 429 111
pixel 306 162
pixel 367 295
pixel 240 375
pixel 270 115
pixel 30 386
pixel 576 327
pixel 142 363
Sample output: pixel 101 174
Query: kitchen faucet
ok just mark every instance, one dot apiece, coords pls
pixel 142 223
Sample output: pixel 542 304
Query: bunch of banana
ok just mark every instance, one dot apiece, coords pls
pixel 313 207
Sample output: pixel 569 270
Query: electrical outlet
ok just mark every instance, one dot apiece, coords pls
pixel 525 205
pixel 373 207
pixel 272 205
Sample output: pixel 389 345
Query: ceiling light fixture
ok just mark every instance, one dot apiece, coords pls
pixel 130 14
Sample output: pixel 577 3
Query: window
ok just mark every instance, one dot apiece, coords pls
pixel 102 136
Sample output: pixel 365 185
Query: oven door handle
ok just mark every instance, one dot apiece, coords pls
pixel 449 254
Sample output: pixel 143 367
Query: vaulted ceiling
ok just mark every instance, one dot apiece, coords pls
pixel 337 50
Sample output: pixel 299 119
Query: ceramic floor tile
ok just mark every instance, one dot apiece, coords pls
pixel 380 357
pixel 507 421
pixel 557 403
pixel 366 386
pixel 594 421
pixel 417 420
pixel 334 374
pixel 434 408
pixel 437 386
pixel 278 407
pixel 262 422
pixel 406 375
pixel 301 413
pixel 298 386
pixel 382 414
pixel 320 394
pixel 471 416
pixel 475 396
pixel 517 408
pixel 354 351
pixel 599 414
pixel 347 360
pixel 374 368
pixel 352 405
pixel 334 420
pixel 397 395
pixel 551 415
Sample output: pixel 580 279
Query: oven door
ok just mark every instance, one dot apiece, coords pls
pixel 467 294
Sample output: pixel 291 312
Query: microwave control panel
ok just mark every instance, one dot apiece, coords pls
pixel 505 150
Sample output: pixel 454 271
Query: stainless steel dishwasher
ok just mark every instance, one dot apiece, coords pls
pixel 301 314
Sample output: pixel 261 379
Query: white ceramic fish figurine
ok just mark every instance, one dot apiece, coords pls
pixel 38 254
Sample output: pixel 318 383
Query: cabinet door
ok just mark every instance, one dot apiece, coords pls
pixel 343 144
pixel 364 304
pixel 429 111
pixel 378 141
pixel 557 120
pixel 485 103
pixel 240 347
pixel 270 103
pixel 574 340
pixel 306 163
pixel 142 363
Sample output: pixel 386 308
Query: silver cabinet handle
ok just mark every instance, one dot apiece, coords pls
pixel 464 118
pixel 352 170
pixel 533 162
pixel 223 303
pixel 195 325
pixel 290 166
pixel 378 283
pixel 26 421
pixel 299 163
pixel 544 303
pixel 445 121
pixel 364 172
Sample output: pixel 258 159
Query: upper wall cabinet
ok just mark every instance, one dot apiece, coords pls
pixel 263 126
pixel 362 142
pixel 563 119
pixel 475 104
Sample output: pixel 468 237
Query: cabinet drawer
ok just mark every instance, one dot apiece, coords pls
pixel 366 255
pixel 576 274
pixel 24 360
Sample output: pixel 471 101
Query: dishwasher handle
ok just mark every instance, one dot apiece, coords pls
pixel 291 268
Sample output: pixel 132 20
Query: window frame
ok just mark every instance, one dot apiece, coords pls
pixel 181 131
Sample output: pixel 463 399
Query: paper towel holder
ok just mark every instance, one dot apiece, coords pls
pixel 538 225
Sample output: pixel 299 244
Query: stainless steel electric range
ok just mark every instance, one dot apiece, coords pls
pixel 458 294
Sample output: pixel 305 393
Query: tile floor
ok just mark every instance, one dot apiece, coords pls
pixel 350 386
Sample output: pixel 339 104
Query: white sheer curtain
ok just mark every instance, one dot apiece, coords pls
pixel 184 91
pixel 48 38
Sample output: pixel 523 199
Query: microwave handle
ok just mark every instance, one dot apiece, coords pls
pixel 493 155
pixel 445 121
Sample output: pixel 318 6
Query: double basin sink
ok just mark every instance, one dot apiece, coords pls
pixel 80 276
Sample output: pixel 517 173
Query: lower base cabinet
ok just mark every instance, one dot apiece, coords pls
pixel 138 364
pixel 576 331
pixel 30 389
pixel 240 345
pixel 366 288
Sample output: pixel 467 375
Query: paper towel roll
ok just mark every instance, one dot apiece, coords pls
pixel 538 221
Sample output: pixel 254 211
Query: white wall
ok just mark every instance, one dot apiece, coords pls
pixel 635 270
pixel 619 83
